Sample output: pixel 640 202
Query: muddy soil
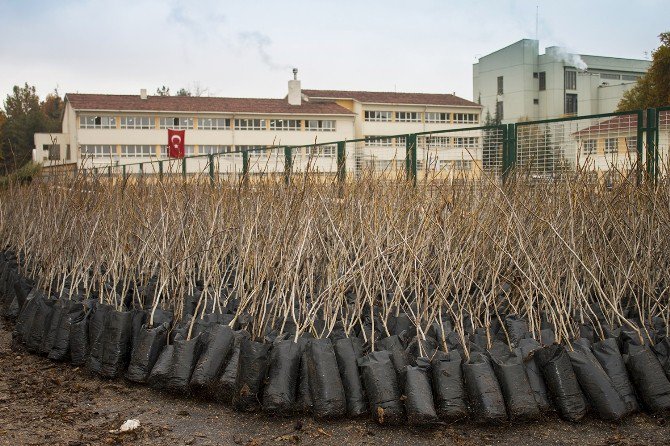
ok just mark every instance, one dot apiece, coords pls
pixel 42 402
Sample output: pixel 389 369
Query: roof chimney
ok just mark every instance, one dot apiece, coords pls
pixel 143 93
pixel 294 90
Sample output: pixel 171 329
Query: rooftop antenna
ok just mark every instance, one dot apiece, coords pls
pixel 295 74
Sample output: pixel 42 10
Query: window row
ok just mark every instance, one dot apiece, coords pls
pixel 186 123
pixel 148 150
pixel 429 117
pixel 459 142
pixel 610 145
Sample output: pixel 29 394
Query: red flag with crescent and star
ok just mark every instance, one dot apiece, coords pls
pixel 176 143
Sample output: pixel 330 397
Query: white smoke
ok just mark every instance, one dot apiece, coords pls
pixel 571 59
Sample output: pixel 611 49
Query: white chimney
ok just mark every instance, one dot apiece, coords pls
pixel 143 93
pixel 294 90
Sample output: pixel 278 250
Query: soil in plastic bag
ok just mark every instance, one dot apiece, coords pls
pixel 596 384
pixel 662 350
pixel 40 324
pixel 251 370
pixel 447 380
pixel 281 388
pixel 486 399
pixel 27 317
pixel 210 363
pixel 60 308
pixel 381 387
pixel 161 369
pixel 225 385
pixel 517 392
pixel 304 398
pixel 147 346
pixel 116 343
pixel 61 343
pixel 395 346
pixel 96 328
pixel 184 358
pixel 516 328
pixel 347 352
pixel 418 394
pixel 561 381
pixel 647 375
pixel 325 383
pixel 525 350
pixel 608 355
pixel 79 339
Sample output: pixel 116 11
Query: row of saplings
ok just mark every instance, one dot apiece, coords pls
pixel 335 376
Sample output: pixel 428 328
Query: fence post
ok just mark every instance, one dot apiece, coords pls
pixel 652 153
pixel 183 168
pixel 141 170
pixel 288 164
pixel 160 170
pixel 639 147
pixel 341 161
pixel 509 149
pixel 410 158
pixel 245 167
pixel 123 172
pixel 211 168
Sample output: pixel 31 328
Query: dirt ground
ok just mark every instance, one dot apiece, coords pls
pixel 42 402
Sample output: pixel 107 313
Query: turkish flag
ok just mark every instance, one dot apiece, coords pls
pixel 176 143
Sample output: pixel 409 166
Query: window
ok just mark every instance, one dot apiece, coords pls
pixel 213 149
pixel 97 151
pixel 138 151
pixel 631 143
pixel 316 125
pixel 68 155
pixel 535 75
pixel 97 122
pixel 543 80
pixel 500 111
pixel 437 118
pixel 536 101
pixel 323 151
pixel 463 165
pixel 176 123
pixel 54 151
pixel 466 118
pixel 408 117
pixel 378 141
pixel 570 80
pixel 500 85
pixel 466 142
pixel 189 150
pixel 610 145
pixel 570 104
pixel 138 122
pixel 590 147
pixel 250 124
pixel 401 141
pixel 284 124
pixel 610 76
pixel 437 141
pixel 629 77
pixel 213 123
pixel 377 116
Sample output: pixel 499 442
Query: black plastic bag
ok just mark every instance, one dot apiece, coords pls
pixel 596 385
pixel 647 375
pixel 394 345
pixel 60 309
pixel 325 383
pixel 184 358
pixel 347 352
pixel 447 380
pixel 26 317
pixel 61 343
pixel 225 386
pixel 516 328
pixel 281 388
pixel 251 370
pixel 484 394
pixel 662 350
pixel 210 363
pixel 304 398
pixel 561 381
pixel 418 394
pixel 517 392
pixel 381 387
pixel 526 350
pixel 161 369
pixel 116 343
pixel 96 328
pixel 40 325
pixel 608 355
pixel 147 346
pixel 79 339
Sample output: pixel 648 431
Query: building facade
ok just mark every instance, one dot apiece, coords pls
pixel 100 130
pixel 518 83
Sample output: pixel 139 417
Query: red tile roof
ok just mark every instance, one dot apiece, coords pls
pixel 618 123
pixel 380 97
pixel 200 104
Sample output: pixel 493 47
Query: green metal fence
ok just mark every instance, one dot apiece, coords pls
pixel 611 146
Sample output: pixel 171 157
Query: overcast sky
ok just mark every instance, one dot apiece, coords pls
pixel 248 47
